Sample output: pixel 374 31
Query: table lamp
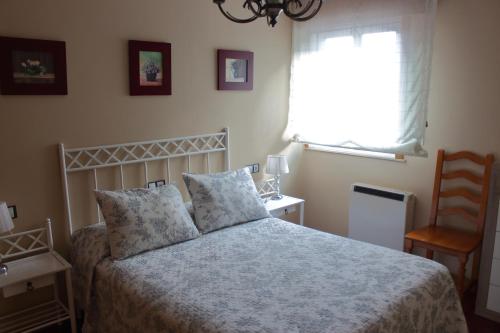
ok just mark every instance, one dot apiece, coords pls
pixel 6 225
pixel 277 165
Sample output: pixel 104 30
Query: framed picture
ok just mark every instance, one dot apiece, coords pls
pixel 150 65
pixel 32 67
pixel 235 70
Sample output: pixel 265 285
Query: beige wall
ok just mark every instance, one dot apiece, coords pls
pixel 464 113
pixel 98 109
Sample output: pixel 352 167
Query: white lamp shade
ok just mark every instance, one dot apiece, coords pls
pixel 277 165
pixel 6 223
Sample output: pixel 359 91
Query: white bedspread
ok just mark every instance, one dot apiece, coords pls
pixel 266 276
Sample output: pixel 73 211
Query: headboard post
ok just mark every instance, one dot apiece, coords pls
pixel 64 174
pixel 227 159
pixel 50 238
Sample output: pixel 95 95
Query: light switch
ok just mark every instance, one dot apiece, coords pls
pixel 253 168
pixel 13 211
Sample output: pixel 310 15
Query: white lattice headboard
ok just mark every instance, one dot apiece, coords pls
pixel 92 159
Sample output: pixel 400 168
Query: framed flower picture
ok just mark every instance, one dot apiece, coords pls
pixel 235 70
pixel 150 66
pixel 32 67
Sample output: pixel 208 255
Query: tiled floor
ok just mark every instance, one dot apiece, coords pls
pixel 476 324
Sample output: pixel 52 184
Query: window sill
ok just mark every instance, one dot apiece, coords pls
pixel 357 153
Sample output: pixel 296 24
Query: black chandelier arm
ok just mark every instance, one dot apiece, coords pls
pixel 308 17
pixel 231 17
pixel 288 3
pixel 260 11
pixel 272 9
pixel 307 8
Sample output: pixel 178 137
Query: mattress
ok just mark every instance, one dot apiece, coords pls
pixel 264 276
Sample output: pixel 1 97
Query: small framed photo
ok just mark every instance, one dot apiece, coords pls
pixel 32 67
pixel 150 68
pixel 235 70
pixel 160 183
pixel 151 185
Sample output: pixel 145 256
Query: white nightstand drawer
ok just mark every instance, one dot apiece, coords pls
pixel 284 206
pixel 22 287
pixel 283 211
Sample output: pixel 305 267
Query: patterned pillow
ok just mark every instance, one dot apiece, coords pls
pixel 224 199
pixel 143 219
pixel 190 209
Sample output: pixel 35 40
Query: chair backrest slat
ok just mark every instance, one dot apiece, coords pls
pixel 478 199
pixel 468 215
pixel 461 192
pixel 466 155
pixel 463 174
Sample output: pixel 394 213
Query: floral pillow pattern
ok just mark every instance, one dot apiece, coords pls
pixel 144 219
pixel 190 209
pixel 224 199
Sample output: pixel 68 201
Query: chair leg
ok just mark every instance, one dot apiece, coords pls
pixel 429 254
pixel 408 245
pixel 461 275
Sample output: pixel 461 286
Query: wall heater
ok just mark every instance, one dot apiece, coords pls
pixel 380 215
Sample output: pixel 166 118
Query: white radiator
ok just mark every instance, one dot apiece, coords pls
pixel 380 215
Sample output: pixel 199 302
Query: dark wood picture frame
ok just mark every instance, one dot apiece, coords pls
pixel 222 57
pixel 165 86
pixel 39 78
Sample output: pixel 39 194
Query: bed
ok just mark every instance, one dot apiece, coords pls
pixel 262 276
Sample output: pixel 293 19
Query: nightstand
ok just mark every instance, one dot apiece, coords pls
pixel 33 272
pixel 285 206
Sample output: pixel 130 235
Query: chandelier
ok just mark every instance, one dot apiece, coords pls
pixel 297 10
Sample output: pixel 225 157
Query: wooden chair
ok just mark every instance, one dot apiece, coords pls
pixel 446 239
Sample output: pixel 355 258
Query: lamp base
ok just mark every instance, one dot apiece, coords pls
pixel 3 269
pixel 277 197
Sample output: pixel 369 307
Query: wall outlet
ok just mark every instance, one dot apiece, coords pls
pixel 254 168
pixel 161 182
pixel 13 211
pixel 156 183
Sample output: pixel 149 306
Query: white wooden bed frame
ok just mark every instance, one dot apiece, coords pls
pixel 91 159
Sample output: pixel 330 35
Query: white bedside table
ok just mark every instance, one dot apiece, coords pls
pixel 287 205
pixel 33 272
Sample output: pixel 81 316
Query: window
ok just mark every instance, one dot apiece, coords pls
pixel 365 65
pixel 362 87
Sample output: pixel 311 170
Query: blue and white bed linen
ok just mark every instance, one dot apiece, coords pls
pixel 264 276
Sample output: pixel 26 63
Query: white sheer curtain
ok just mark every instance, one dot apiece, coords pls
pixel 360 75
